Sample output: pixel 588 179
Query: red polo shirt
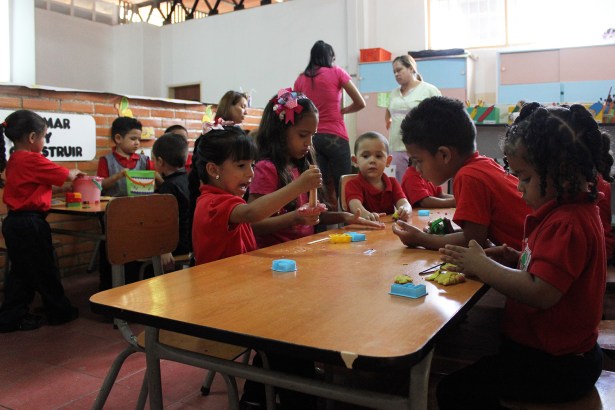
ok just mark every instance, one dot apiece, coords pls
pixel 127 163
pixel 418 188
pixel 373 199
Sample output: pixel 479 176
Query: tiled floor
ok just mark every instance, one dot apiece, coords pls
pixel 63 367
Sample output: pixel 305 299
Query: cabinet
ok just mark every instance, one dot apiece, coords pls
pixel 576 74
pixel 454 77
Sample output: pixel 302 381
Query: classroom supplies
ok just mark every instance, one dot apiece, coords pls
pixel 140 182
pixel 445 277
pixel 408 290
pixel 284 265
pixel 73 200
pixel 423 212
pixel 89 187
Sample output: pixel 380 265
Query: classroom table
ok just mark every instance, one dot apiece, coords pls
pixel 335 308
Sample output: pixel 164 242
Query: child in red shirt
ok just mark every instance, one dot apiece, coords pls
pixel 27 195
pixel 440 138
pixel 220 177
pixel 554 287
pixel 422 193
pixel 372 192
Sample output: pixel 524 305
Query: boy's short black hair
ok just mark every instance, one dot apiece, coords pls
pixel 123 125
pixel 437 122
pixel 370 135
pixel 172 149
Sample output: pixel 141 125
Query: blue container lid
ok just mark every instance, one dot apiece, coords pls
pixel 284 265
pixel 356 237
pixel 423 212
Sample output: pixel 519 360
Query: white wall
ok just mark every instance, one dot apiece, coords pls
pixel 261 49
pixel 72 52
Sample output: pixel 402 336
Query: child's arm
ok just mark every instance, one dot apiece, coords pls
pixel 355 206
pixel 330 218
pixel 514 283
pixel 444 201
pixel 112 179
pixel 404 209
pixel 267 205
pixel 411 236
pixel 278 222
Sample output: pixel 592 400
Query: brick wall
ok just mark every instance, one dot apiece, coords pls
pixel 74 254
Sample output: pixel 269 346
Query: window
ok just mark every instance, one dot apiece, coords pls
pixel 490 23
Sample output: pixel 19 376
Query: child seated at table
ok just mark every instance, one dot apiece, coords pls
pixel 284 139
pixel 169 155
pixel 27 195
pixel 422 193
pixel 440 139
pixel 549 351
pixel 181 131
pixel 126 135
pixel 372 192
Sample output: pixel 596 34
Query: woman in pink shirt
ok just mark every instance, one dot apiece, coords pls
pixel 323 82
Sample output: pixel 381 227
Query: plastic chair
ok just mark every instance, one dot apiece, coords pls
pixel 146 227
pixel 343 181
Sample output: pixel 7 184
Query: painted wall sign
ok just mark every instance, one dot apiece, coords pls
pixel 70 137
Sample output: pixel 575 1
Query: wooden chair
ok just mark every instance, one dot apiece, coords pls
pixel 343 181
pixel 144 228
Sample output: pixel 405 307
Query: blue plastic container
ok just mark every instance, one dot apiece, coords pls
pixel 356 237
pixel 423 212
pixel 408 290
pixel 284 265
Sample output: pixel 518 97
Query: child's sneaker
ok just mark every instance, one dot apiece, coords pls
pixel 28 322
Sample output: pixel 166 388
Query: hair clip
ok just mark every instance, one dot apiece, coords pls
pixel 218 124
pixel 285 105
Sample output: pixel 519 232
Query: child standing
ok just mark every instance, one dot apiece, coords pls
pixel 222 173
pixel 489 208
pixel 549 351
pixel 27 195
pixel 126 135
pixel 372 192
pixel 422 193
pixel 284 140
pixel 169 155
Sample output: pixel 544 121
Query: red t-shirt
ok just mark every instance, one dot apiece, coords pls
pixel 325 91
pixel 373 199
pixel 487 195
pixel 604 206
pixel 212 236
pixel 128 163
pixel 418 188
pixel 29 177
pixel 564 246
pixel 266 181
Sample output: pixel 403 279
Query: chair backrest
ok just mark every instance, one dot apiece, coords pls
pixel 141 227
pixel 343 181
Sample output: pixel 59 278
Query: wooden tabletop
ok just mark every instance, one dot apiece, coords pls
pixel 336 306
pixel 95 209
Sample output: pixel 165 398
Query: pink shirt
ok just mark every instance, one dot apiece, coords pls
pixel 266 181
pixel 325 90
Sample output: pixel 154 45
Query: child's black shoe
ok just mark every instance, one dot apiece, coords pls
pixel 28 322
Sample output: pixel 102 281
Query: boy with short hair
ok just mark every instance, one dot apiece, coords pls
pixel 440 139
pixel 422 193
pixel 169 155
pixel 372 192
pixel 126 134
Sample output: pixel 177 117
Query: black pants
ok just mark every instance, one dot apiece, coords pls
pixel 333 158
pixel 520 373
pixel 254 392
pixel 33 269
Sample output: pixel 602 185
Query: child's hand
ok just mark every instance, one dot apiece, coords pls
pixel 74 173
pixel 471 260
pixel 309 179
pixel 408 234
pixel 356 219
pixel 305 219
pixel 504 254
pixel 404 213
pixel 372 216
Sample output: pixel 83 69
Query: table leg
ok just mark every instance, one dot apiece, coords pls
pixel 153 368
pixel 419 383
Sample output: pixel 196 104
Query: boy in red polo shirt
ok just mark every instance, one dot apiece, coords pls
pixel 372 192
pixel 440 139
pixel 126 134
